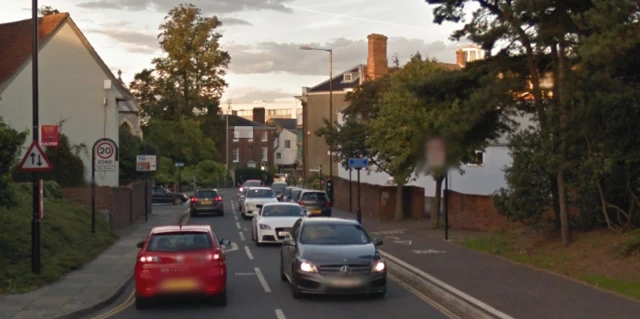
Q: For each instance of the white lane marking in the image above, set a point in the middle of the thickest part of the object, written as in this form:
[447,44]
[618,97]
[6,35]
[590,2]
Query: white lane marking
[236,217]
[246,249]
[238,225]
[241,236]
[280,314]
[451,289]
[263,281]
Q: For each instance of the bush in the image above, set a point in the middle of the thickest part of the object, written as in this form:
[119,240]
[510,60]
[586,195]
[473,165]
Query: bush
[244,174]
[11,140]
[313,181]
[130,147]
[67,241]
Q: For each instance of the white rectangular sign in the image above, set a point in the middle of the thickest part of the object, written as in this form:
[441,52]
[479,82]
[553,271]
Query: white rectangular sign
[105,156]
[146,163]
[242,132]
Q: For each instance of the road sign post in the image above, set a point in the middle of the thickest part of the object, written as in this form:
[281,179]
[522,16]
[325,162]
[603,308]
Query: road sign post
[147,163]
[350,191]
[104,156]
[358,163]
[35,161]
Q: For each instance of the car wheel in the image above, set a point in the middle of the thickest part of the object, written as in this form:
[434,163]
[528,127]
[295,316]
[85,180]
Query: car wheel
[283,277]
[143,303]
[295,293]
[177,201]
[221,212]
[379,295]
[220,299]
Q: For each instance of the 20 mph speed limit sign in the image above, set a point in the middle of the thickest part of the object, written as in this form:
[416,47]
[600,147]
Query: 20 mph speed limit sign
[105,156]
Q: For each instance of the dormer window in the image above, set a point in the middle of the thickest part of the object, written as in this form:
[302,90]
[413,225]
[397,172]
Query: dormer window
[348,77]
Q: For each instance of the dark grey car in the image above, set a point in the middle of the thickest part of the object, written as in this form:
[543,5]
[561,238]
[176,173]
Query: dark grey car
[286,193]
[315,203]
[279,187]
[207,200]
[294,194]
[332,256]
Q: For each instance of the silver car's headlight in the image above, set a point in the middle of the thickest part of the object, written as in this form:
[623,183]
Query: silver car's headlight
[264,226]
[250,205]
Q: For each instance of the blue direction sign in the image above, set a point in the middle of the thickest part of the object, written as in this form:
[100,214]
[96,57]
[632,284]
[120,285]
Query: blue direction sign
[179,164]
[358,163]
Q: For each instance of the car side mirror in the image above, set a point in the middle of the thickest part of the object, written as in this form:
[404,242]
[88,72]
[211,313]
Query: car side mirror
[377,241]
[225,242]
[140,244]
[288,241]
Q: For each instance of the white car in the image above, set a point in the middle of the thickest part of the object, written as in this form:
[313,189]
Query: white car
[275,221]
[254,198]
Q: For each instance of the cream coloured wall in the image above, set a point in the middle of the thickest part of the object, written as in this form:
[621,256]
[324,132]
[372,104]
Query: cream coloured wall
[71,90]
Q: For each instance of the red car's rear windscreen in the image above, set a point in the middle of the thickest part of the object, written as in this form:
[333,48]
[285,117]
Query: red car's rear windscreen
[180,242]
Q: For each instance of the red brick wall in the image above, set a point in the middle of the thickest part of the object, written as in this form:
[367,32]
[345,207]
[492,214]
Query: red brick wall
[125,204]
[376,201]
[476,212]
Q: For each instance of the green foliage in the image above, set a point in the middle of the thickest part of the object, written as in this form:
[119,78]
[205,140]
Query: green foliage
[166,172]
[66,159]
[11,141]
[181,141]
[272,170]
[210,174]
[67,240]
[244,174]
[313,181]
[130,147]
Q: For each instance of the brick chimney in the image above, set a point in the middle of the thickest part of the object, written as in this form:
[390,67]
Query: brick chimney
[461,58]
[259,115]
[377,63]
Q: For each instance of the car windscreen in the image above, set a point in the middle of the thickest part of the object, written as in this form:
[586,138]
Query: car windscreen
[260,193]
[333,234]
[316,196]
[252,183]
[287,191]
[206,194]
[179,242]
[279,186]
[295,193]
[282,211]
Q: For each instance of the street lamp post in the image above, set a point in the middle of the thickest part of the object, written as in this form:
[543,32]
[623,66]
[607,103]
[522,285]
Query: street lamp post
[308,48]
[226,151]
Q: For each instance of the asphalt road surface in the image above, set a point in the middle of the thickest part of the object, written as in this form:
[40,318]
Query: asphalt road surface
[255,290]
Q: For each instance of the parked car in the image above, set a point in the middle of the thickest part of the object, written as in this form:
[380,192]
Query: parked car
[255,197]
[207,200]
[180,260]
[163,195]
[332,256]
[314,203]
[279,187]
[274,222]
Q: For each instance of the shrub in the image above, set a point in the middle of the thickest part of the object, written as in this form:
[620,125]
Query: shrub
[11,140]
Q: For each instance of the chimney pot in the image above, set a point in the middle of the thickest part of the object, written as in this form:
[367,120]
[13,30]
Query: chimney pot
[461,58]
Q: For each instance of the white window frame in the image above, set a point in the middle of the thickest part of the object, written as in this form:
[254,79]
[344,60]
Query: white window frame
[347,77]
[287,143]
[264,154]
[265,137]
[236,155]
[477,164]
[235,135]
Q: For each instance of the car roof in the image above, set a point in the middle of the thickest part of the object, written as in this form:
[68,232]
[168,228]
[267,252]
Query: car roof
[207,190]
[313,191]
[280,204]
[183,228]
[330,220]
[259,187]
[279,183]
[253,180]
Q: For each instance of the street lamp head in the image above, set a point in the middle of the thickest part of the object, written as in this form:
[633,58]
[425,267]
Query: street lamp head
[306,47]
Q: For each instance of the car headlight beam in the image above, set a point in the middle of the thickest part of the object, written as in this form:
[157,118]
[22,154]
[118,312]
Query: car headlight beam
[379,266]
[308,267]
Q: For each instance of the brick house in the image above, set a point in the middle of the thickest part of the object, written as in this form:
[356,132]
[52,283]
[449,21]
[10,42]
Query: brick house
[250,142]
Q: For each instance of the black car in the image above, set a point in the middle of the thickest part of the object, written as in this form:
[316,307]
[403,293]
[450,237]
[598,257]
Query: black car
[315,203]
[332,256]
[279,188]
[206,200]
[162,195]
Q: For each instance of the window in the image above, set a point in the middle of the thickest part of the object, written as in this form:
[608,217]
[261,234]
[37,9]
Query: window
[282,211]
[265,136]
[287,143]
[333,234]
[236,155]
[348,77]
[478,160]
[261,193]
[314,197]
[278,155]
[264,154]
[236,135]
[206,194]
[183,241]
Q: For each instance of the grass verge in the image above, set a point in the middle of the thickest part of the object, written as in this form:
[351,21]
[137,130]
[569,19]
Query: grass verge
[599,258]
[66,238]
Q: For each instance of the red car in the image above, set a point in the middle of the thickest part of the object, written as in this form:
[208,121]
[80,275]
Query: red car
[181,260]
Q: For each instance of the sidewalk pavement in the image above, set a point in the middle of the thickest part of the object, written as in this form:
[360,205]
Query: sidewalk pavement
[92,287]
[516,290]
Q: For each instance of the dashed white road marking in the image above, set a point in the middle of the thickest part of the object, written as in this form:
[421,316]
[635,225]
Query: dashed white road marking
[241,236]
[263,281]
[238,225]
[249,254]
[280,314]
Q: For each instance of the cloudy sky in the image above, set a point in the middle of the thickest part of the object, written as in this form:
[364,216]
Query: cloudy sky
[262,36]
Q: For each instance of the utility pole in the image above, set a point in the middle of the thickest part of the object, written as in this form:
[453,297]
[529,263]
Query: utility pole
[227,138]
[35,221]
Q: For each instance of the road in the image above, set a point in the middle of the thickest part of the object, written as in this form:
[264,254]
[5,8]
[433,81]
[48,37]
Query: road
[255,289]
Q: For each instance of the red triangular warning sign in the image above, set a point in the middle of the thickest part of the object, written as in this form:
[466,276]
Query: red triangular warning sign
[35,160]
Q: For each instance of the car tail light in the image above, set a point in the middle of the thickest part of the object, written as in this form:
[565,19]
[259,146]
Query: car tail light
[218,199]
[301,203]
[149,259]
[327,204]
[194,200]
